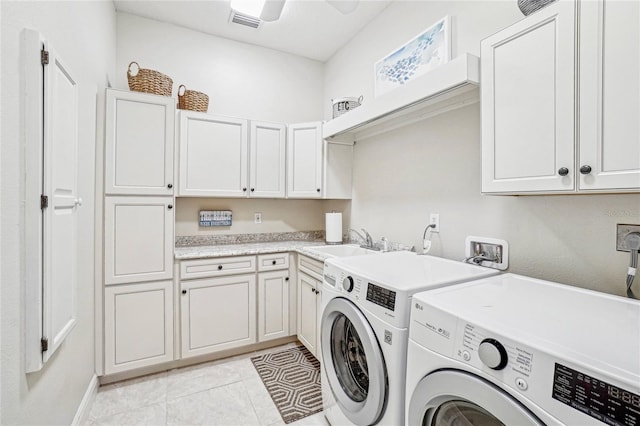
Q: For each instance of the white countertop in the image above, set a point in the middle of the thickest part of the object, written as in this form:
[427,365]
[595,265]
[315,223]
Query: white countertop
[221,250]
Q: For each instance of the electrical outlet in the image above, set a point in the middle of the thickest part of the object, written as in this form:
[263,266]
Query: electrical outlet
[434,219]
[621,232]
[257,217]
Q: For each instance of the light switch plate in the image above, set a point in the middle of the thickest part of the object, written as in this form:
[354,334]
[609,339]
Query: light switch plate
[621,231]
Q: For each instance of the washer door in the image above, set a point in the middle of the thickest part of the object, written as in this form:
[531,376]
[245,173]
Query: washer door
[451,397]
[354,363]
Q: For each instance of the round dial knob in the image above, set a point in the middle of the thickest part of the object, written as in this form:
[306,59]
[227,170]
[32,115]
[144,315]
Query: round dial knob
[493,354]
[347,284]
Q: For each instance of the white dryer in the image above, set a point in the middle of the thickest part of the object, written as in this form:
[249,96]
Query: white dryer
[513,350]
[364,330]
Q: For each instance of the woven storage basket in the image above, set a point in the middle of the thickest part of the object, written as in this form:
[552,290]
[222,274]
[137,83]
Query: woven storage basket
[192,100]
[527,7]
[343,105]
[149,81]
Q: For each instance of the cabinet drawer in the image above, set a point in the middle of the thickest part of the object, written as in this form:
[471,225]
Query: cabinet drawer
[271,262]
[217,267]
[310,266]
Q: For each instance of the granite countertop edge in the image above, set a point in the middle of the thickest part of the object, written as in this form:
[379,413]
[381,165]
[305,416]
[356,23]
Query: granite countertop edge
[222,250]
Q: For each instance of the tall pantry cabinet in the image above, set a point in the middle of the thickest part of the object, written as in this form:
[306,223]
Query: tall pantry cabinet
[138,230]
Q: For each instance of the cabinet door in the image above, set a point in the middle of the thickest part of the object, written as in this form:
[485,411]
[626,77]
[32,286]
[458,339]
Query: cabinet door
[139,143]
[528,97]
[267,157]
[213,155]
[138,239]
[138,325]
[273,305]
[304,160]
[218,314]
[337,170]
[307,312]
[609,95]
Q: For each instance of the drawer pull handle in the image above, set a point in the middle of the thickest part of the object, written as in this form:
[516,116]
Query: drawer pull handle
[273,262]
[219,267]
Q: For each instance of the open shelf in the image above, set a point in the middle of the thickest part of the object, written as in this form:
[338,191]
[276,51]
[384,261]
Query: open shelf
[442,89]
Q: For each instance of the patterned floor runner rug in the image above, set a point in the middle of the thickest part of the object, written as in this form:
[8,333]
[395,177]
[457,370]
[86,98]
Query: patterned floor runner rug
[292,378]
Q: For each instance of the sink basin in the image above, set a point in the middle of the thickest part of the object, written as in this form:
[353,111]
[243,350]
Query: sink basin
[343,250]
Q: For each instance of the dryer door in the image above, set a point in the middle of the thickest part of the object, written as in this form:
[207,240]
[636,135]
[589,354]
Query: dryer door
[452,397]
[354,363]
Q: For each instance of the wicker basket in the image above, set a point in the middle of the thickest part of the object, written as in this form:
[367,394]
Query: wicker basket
[192,100]
[343,105]
[149,81]
[527,7]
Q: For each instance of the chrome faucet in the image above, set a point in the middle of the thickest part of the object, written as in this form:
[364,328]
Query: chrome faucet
[367,241]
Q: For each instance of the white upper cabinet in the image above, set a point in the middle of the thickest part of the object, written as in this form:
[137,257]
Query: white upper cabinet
[304,160]
[609,132]
[267,160]
[213,155]
[139,144]
[528,97]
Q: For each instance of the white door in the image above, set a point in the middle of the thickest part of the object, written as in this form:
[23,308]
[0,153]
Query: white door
[307,313]
[609,155]
[213,155]
[273,305]
[267,155]
[217,314]
[138,239]
[138,325]
[60,232]
[139,143]
[527,100]
[304,160]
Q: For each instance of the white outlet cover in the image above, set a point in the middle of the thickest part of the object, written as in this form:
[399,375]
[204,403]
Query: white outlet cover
[505,251]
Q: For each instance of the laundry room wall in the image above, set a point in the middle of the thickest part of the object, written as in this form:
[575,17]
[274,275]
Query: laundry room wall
[433,166]
[87,45]
[242,80]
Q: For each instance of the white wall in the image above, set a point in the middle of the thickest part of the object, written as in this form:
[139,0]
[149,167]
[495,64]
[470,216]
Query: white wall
[242,80]
[277,215]
[87,45]
[434,166]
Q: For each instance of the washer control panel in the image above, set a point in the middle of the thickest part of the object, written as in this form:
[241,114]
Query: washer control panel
[603,401]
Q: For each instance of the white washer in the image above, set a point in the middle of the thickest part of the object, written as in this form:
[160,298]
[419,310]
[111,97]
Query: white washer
[519,351]
[364,330]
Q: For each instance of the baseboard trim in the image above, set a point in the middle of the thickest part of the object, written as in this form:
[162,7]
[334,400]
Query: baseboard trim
[85,404]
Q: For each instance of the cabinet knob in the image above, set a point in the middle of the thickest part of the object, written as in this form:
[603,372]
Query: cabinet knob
[563,171]
[273,262]
[286,279]
[313,289]
[244,189]
[169,185]
[318,189]
[219,267]
[170,206]
[585,170]
[184,291]
[253,189]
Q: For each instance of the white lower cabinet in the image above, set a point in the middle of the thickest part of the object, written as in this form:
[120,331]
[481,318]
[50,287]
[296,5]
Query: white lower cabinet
[217,314]
[309,303]
[138,322]
[273,305]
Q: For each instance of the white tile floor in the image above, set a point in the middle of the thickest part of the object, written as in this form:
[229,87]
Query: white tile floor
[228,392]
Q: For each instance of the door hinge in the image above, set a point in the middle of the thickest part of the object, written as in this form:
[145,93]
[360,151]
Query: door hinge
[44,201]
[44,57]
[44,344]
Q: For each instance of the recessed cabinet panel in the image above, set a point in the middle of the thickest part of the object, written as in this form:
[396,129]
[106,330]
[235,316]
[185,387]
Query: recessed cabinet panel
[218,314]
[138,325]
[213,155]
[267,157]
[528,111]
[304,160]
[273,305]
[139,144]
[138,239]
[610,94]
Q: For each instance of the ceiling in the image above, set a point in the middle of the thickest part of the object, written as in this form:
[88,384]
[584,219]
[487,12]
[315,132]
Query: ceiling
[308,28]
